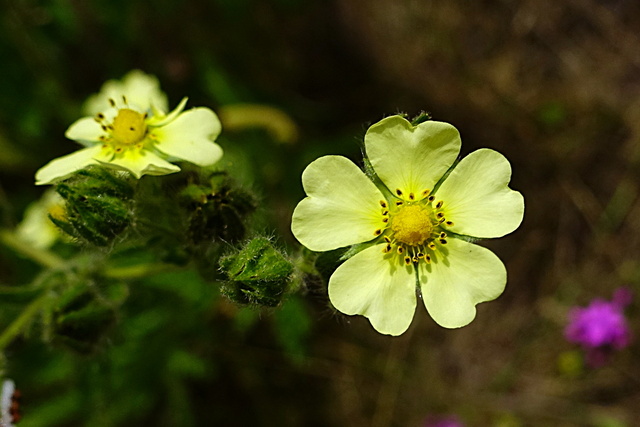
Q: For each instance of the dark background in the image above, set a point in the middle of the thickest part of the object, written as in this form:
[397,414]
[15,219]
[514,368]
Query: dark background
[553,85]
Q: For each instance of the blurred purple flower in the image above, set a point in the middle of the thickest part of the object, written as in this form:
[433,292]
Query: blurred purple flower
[600,327]
[448,421]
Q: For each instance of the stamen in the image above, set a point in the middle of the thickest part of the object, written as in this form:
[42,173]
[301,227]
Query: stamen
[387,239]
[385,212]
[407,260]
[420,255]
[449,223]
[100,116]
[432,246]
[443,235]
[432,198]
[427,258]
[399,192]
[415,259]
[385,219]
[400,250]
[441,220]
[425,193]
[440,215]
[383,203]
[443,241]
[439,204]
[124,99]
[399,203]
[386,249]
[112,102]
[118,149]
[412,196]
[377,232]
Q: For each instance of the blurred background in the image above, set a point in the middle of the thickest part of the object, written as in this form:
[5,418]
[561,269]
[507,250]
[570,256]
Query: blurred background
[553,85]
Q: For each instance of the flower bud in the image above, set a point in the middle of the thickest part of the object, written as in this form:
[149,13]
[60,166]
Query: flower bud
[257,274]
[218,209]
[98,206]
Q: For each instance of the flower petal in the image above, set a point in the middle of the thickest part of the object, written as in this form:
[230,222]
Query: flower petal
[139,162]
[453,284]
[65,166]
[139,88]
[411,158]
[372,285]
[342,208]
[36,228]
[86,131]
[477,199]
[190,137]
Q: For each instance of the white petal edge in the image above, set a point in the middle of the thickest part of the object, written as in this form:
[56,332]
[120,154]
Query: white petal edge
[190,137]
[477,198]
[86,131]
[342,208]
[452,285]
[138,163]
[377,286]
[139,88]
[411,158]
[65,166]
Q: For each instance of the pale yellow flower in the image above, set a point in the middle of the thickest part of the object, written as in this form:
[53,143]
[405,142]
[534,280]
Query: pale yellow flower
[416,224]
[36,228]
[135,134]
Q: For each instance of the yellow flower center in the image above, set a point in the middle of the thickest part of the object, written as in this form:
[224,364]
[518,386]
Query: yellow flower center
[129,127]
[412,224]
[415,229]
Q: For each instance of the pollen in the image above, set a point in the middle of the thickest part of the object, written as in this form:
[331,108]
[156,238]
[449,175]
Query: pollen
[129,127]
[412,225]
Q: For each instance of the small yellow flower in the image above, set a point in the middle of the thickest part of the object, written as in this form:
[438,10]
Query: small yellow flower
[416,224]
[36,228]
[132,132]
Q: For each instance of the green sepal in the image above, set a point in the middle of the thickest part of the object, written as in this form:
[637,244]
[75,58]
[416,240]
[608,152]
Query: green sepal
[258,274]
[98,206]
[424,116]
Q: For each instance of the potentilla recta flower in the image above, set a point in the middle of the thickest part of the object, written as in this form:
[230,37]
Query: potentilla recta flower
[137,135]
[600,328]
[36,228]
[416,224]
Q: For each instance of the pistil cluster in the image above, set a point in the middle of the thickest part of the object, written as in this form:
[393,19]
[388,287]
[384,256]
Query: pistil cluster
[414,226]
[128,129]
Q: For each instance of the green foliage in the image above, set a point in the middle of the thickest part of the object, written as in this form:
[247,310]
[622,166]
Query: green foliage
[83,315]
